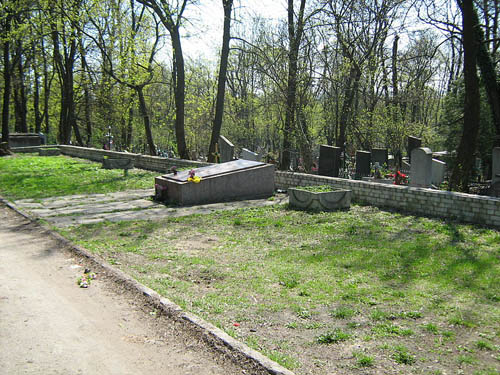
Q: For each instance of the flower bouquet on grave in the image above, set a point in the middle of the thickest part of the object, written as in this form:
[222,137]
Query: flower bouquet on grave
[193,178]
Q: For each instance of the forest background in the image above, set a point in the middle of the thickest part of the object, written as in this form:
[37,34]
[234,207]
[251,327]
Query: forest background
[277,77]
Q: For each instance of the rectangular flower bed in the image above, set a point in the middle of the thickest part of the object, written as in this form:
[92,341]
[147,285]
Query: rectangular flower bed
[309,199]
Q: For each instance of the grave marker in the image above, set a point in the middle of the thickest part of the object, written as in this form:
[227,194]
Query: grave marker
[413,143]
[246,154]
[226,150]
[495,164]
[438,171]
[363,164]
[329,161]
[421,167]
[380,156]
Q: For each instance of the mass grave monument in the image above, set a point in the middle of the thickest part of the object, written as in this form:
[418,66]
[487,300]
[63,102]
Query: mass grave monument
[234,180]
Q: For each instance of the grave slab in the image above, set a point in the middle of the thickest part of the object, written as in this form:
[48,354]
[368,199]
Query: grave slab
[421,167]
[246,154]
[226,149]
[413,143]
[329,161]
[495,159]
[363,164]
[234,180]
[438,171]
[380,156]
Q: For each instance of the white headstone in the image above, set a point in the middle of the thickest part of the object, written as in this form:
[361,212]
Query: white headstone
[246,154]
[495,159]
[438,171]
[421,167]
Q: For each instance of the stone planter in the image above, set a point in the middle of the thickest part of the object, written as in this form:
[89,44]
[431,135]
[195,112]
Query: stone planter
[110,163]
[49,152]
[321,201]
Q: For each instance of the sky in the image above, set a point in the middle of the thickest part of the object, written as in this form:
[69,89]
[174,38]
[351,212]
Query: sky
[203,38]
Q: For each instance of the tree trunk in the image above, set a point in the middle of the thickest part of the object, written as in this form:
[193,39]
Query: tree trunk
[466,150]
[221,85]
[294,37]
[179,92]
[6,80]
[145,117]
[347,107]
[489,77]
[20,100]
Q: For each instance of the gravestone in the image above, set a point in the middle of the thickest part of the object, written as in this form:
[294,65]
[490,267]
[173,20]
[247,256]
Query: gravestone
[246,154]
[380,156]
[421,167]
[495,163]
[329,161]
[237,179]
[438,171]
[226,150]
[363,164]
[413,143]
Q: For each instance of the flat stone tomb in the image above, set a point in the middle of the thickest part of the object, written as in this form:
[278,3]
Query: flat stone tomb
[235,180]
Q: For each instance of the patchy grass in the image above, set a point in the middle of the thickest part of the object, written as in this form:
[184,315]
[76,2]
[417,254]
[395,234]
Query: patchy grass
[26,176]
[411,291]
[419,295]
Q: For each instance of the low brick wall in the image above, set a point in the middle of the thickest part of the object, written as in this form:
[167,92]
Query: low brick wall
[464,207]
[152,163]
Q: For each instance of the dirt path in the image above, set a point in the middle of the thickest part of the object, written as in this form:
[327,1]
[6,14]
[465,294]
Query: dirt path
[48,325]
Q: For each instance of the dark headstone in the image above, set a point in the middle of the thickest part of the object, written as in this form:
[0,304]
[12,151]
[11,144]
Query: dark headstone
[413,143]
[363,163]
[329,161]
[495,165]
[380,156]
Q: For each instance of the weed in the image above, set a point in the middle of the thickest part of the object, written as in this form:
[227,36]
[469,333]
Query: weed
[333,337]
[484,345]
[466,359]
[343,312]
[363,360]
[402,356]
[430,327]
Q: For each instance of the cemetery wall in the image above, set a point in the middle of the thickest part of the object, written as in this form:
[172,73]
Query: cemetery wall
[464,207]
[152,163]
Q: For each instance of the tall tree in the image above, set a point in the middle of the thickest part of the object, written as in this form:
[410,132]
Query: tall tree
[295,33]
[221,86]
[6,23]
[171,17]
[462,169]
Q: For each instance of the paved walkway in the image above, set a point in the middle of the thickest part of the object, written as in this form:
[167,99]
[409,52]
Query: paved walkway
[128,205]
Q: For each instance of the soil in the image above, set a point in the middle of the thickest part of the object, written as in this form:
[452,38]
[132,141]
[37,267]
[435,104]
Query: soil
[50,325]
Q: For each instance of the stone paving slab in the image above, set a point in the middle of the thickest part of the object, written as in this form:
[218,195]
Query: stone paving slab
[124,206]
[57,202]
[96,208]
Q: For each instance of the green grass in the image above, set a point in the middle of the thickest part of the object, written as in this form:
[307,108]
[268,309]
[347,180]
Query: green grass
[364,278]
[27,176]
[367,270]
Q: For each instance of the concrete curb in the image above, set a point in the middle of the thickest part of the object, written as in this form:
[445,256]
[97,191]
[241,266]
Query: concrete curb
[211,334]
